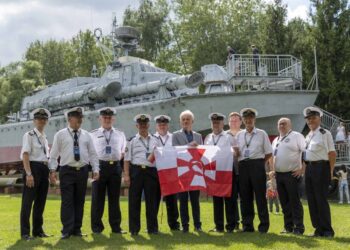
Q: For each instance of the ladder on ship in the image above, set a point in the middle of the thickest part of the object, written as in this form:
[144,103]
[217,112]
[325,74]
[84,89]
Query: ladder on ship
[331,122]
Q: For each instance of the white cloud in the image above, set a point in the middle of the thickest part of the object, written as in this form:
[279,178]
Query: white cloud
[22,22]
[300,11]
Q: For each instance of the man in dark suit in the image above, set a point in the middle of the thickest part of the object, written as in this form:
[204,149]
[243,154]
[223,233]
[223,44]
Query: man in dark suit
[186,136]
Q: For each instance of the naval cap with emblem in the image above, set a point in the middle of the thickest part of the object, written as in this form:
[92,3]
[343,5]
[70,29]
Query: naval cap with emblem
[216,116]
[40,113]
[107,111]
[312,111]
[162,119]
[248,112]
[142,118]
[76,112]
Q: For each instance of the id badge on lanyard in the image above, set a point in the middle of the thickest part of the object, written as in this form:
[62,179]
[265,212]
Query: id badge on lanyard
[108,149]
[76,150]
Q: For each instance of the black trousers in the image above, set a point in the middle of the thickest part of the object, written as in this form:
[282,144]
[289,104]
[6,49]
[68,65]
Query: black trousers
[252,182]
[288,192]
[36,195]
[143,179]
[172,211]
[227,203]
[194,198]
[110,181]
[235,200]
[73,184]
[317,180]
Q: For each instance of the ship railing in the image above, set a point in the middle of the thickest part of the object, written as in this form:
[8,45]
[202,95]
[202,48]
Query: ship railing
[343,153]
[250,65]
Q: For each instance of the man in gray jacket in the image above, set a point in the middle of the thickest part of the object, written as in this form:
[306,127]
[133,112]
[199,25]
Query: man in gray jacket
[186,136]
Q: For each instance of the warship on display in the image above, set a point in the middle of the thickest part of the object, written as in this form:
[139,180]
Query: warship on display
[270,83]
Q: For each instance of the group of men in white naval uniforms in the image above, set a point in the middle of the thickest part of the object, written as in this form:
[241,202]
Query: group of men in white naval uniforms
[106,152]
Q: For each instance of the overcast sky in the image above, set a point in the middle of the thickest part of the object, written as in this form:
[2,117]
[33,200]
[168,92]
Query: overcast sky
[24,21]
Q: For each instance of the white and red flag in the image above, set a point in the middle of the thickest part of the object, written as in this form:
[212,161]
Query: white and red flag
[185,168]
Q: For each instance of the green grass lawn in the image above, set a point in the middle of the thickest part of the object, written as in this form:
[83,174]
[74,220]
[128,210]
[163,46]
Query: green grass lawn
[10,238]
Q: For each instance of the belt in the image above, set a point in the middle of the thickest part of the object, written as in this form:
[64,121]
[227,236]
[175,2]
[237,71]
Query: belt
[315,162]
[141,166]
[111,163]
[40,162]
[248,159]
[75,168]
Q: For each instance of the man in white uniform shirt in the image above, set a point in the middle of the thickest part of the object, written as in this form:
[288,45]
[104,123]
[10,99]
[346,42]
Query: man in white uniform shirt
[35,155]
[165,140]
[141,175]
[319,158]
[75,148]
[110,146]
[287,166]
[254,149]
[220,138]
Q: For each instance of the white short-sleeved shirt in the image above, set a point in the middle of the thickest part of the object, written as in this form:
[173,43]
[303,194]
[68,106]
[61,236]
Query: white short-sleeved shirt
[36,145]
[221,140]
[113,138]
[138,149]
[254,145]
[318,145]
[62,147]
[287,151]
[164,141]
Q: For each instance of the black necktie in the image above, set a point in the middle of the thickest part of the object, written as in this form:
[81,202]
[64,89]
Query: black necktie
[76,146]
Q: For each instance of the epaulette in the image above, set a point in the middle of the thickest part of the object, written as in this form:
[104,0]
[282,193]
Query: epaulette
[155,136]
[31,133]
[322,131]
[132,137]
[93,131]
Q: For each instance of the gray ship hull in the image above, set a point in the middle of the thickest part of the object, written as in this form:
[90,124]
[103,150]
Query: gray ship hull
[271,105]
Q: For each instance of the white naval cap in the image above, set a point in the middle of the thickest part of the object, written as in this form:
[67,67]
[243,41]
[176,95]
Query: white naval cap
[76,111]
[162,119]
[311,111]
[142,118]
[248,111]
[107,111]
[216,116]
[40,113]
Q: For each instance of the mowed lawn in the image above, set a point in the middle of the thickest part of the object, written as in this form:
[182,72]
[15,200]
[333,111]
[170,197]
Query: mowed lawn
[10,236]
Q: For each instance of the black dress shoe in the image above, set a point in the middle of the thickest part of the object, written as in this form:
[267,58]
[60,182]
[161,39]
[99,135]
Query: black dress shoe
[65,236]
[119,231]
[185,230]
[215,230]
[175,229]
[42,235]
[79,234]
[198,229]
[237,227]
[286,231]
[248,230]
[153,232]
[26,237]
[230,230]
[297,232]
[134,233]
[328,234]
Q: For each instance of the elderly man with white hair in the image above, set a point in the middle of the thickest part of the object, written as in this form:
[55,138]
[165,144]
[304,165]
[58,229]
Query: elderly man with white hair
[287,166]
[186,136]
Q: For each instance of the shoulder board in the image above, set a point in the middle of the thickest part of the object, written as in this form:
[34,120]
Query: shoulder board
[31,133]
[93,131]
[155,136]
[323,131]
[132,137]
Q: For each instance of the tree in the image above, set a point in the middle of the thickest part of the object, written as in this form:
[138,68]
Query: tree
[274,29]
[151,21]
[331,36]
